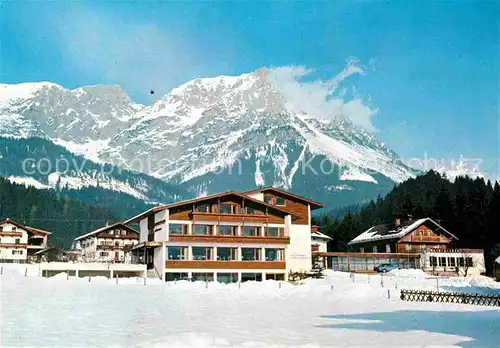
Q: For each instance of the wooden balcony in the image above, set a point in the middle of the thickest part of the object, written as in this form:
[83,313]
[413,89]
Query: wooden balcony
[119,236]
[11,234]
[187,238]
[109,247]
[204,264]
[13,245]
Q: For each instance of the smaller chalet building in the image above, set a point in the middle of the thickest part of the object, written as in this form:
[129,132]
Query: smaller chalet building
[106,244]
[421,243]
[18,242]
[408,236]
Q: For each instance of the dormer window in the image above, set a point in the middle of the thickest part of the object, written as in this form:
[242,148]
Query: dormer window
[203,208]
[227,208]
[280,201]
[268,199]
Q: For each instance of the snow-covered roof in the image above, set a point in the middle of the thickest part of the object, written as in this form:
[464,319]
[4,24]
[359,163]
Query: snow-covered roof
[105,228]
[320,235]
[497,260]
[387,231]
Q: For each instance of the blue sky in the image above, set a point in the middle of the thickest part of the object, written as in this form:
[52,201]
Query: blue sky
[431,69]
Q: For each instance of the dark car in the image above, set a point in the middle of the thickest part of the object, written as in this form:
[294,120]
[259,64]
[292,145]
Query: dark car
[385,267]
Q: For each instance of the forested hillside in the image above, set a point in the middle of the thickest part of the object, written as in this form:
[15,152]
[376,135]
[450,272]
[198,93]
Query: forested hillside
[64,216]
[469,208]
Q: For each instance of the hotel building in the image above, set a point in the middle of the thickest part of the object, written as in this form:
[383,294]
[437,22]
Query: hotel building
[228,237]
[106,244]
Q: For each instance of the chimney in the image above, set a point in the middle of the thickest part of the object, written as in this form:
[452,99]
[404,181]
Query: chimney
[397,222]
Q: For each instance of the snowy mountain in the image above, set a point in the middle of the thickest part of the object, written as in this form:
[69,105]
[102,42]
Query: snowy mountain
[210,134]
[41,164]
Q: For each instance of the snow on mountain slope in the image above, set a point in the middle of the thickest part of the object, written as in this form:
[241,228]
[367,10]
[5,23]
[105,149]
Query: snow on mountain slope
[207,134]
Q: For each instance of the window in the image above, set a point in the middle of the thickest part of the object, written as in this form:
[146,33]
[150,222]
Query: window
[387,248]
[103,253]
[280,201]
[227,254]
[177,253]
[361,250]
[374,248]
[203,277]
[433,261]
[250,254]
[203,208]
[227,278]
[442,262]
[14,228]
[408,246]
[226,208]
[1,228]
[17,252]
[461,261]
[170,277]
[18,241]
[274,231]
[225,230]
[468,262]
[252,211]
[251,231]
[268,199]
[202,229]
[279,276]
[451,262]
[275,254]
[245,277]
[202,253]
[177,229]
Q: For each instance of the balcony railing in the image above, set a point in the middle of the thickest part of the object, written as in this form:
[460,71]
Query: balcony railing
[229,239]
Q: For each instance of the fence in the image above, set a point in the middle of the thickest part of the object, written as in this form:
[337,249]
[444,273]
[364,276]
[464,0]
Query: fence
[450,297]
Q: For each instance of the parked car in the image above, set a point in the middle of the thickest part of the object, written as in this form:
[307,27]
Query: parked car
[385,267]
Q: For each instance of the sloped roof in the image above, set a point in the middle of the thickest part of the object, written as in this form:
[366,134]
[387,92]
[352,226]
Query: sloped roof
[106,228]
[320,235]
[205,198]
[497,260]
[314,204]
[387,231]
[32,230]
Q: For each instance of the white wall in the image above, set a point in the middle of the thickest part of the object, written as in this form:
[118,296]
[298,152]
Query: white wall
[143,226]
[7,252]
[258,196]
[298,253]
[322,244]
[477,259]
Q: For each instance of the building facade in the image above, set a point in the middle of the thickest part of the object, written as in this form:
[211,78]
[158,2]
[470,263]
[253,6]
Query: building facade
[407,236]
[228,237]
[106,244]
[421,243]
[18,242]
[461,262]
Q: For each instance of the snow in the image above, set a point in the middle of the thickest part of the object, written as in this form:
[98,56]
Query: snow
[11,93]
[371,234]
[90,149]
[27,181]
[335,311]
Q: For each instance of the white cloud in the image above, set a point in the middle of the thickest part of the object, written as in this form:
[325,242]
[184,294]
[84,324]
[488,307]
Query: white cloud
[324,99]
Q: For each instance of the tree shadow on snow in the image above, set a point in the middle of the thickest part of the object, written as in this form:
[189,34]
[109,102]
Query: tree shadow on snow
[482,326]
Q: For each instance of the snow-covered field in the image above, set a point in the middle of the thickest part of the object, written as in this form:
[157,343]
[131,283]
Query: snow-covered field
[335,311]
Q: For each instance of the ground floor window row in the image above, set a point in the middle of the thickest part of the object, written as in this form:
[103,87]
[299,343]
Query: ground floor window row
[443,261]
[347,263]
[226,278]
[225,253]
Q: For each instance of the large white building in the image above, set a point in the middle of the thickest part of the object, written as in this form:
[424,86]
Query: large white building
[228,237]
[19,242]
[106,244]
